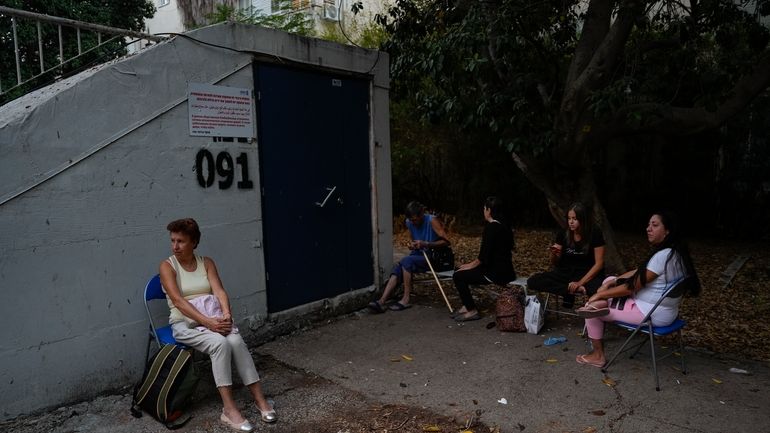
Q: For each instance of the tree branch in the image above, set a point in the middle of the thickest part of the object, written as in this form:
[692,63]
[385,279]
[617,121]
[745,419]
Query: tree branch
[604,59]
[665,119]
[538,176]
[595,28]
[488,7]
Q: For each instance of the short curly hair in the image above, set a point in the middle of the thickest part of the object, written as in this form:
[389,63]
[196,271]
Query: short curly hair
[187,226]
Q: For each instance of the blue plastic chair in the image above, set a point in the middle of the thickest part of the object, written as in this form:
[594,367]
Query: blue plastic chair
[674,290]
[163,335]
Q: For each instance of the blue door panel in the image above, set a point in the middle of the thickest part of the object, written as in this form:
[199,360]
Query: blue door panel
[313,132]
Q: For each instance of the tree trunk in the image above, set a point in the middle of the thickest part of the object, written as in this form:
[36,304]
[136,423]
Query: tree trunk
[561,195]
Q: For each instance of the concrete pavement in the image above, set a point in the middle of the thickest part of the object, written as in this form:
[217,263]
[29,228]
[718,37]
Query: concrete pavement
[460,369]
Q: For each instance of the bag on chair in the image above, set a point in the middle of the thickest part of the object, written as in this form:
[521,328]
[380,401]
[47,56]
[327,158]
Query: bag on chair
[534,314]
[442,259]
[167,386]
[509,311]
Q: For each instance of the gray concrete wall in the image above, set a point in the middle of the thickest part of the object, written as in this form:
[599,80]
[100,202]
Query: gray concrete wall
[91,171]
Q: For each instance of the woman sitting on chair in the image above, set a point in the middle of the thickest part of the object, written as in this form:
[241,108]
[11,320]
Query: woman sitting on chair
[493,265]
[186,276]
[578,259]
[669,262]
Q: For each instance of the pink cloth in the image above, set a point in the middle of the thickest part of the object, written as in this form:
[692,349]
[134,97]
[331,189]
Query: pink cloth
[629,314]
[209,306]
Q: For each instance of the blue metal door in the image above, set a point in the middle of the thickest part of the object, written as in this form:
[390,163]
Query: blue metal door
[313,131]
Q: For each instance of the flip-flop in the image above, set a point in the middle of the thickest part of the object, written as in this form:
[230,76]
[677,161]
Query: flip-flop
[589,311]
[462,318]
[376,307]
[456,313]
[399,306]
[581,359]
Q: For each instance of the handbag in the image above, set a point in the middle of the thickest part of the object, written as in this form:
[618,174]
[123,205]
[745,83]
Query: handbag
[534,314]
[442,259]
[509,311]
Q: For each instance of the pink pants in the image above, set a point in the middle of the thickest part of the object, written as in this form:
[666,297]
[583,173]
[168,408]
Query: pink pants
[629,314]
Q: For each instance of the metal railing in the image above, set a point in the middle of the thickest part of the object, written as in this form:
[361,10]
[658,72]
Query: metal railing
[39,19]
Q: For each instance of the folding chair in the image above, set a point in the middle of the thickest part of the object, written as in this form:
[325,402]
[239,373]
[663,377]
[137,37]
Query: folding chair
[162,335]
[674,290]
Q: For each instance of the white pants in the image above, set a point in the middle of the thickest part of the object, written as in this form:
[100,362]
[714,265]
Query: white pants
[222,350]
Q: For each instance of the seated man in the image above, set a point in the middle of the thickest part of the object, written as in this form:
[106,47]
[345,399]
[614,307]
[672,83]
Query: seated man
[427,231]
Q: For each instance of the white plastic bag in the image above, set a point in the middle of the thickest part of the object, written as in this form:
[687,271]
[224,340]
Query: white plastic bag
[534,313]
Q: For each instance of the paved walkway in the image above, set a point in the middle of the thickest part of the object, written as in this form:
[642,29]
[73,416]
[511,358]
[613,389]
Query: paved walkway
[420,357]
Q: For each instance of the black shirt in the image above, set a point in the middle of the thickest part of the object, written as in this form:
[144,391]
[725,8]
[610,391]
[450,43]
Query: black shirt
[495,253]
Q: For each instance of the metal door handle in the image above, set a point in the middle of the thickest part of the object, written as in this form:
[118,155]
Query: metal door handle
[331,191]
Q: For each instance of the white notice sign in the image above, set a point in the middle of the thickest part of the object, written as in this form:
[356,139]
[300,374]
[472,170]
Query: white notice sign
[220,111]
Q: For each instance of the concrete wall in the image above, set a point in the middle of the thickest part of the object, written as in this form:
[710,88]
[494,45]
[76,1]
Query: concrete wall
[91,171]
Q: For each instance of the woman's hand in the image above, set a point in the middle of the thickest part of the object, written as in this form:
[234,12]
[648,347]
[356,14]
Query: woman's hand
[555,250]
[575,287]
[220,325]
[465,267]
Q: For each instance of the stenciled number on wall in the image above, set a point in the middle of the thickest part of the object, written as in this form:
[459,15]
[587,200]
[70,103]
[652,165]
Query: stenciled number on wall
[207,167]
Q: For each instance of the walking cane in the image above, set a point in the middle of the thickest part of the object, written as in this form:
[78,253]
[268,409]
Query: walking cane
[441,289]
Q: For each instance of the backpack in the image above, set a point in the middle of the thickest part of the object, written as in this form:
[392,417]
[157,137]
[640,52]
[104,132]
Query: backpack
[441,258]
[167,385]
[509,311]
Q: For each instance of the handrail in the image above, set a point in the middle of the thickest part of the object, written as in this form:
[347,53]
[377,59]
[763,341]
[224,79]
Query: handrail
[78,25]
[82,24]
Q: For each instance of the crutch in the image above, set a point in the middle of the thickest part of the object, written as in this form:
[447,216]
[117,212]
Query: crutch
[441,289]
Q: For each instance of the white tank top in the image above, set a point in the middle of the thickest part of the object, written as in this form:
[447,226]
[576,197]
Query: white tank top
[191,285]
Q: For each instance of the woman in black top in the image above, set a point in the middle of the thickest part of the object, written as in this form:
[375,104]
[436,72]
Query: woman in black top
[578,259]
[494,264]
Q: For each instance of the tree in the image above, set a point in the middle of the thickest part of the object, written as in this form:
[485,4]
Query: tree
[558,81]
[124,14]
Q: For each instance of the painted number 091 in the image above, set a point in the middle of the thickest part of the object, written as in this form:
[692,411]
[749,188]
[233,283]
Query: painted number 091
[206,166]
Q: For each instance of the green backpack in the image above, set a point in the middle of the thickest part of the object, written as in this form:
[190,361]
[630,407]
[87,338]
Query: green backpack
[167,386]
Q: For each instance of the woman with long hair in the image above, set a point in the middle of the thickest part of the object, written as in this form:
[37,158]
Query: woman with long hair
[577,256]
[668,263]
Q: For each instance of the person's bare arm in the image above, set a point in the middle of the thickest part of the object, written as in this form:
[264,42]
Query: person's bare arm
[614,290]
[598,265]
[168,280]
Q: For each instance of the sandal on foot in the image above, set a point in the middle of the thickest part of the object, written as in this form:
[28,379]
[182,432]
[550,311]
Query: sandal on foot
[463,318]
[581,359]
[456,313]
[589,311]
[244,426]
[398,306]
[376,307]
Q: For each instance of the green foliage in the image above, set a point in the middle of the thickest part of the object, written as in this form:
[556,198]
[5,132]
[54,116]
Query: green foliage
[127,14]
[503,74]
[331,32]
[440,56]
[287,19]
[453,172]
[507,74]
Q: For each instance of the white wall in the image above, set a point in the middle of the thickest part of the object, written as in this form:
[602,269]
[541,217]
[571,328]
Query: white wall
[167,19]
[91,171]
